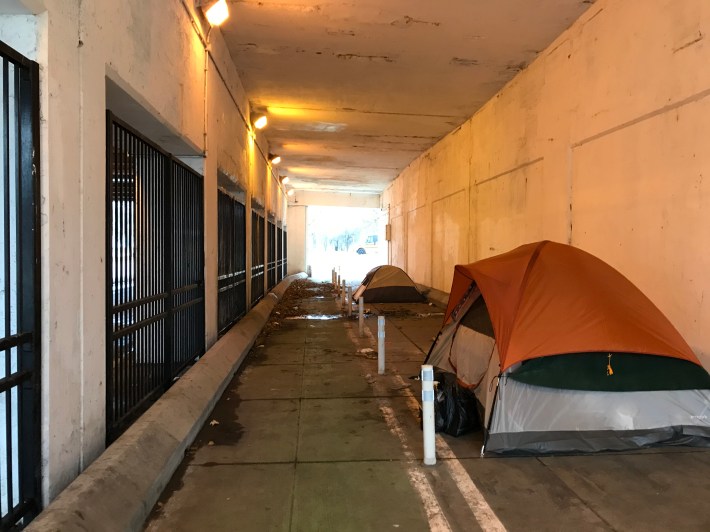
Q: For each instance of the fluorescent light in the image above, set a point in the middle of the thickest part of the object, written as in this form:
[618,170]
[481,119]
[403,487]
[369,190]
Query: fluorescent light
[217,13]
[259,121]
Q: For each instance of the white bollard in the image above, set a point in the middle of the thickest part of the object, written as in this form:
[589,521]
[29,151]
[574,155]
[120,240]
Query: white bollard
[381,345]
[349,304]
[361,315]
[428,428]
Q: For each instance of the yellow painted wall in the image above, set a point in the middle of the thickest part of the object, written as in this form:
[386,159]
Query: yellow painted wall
[600,143]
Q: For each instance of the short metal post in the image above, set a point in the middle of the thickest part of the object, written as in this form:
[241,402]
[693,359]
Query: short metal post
[428,428]
[381,345]
[337,286]
[349,303]
[342,294]
[361,315]
[332,276]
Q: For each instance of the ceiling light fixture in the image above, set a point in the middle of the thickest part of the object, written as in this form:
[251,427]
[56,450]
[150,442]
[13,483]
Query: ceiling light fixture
[291,192]
[274,159]
[285,179]
[216,12]
[258,120]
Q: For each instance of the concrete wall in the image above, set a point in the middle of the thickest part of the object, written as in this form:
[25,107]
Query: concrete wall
[600,143]
[152,54]
[334,199]
[297,239]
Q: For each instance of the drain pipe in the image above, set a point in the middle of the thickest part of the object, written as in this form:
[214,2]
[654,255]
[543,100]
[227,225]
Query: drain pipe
[381,345]
[361,315]
[428,429]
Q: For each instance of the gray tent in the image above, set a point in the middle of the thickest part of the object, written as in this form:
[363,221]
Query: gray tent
[388,284]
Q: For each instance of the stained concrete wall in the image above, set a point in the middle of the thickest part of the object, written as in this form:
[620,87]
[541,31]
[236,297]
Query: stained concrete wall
[154,54]
[600,143]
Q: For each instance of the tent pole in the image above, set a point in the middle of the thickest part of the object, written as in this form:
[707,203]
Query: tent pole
[487,427]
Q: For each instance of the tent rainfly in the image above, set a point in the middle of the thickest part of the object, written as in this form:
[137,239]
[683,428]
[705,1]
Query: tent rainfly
[388,284]
[565,354]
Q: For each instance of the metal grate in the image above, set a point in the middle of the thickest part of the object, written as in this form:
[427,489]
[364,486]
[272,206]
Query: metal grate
[20,290]
[271,266]
[232,273]
[257,257]
[155,264]
[284,271]
[279,254]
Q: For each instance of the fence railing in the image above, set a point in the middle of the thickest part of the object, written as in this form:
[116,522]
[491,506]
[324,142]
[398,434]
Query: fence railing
[279,254]
[20,301]
[232,274]
[284,270]
[155,268]
[257,257]
[272,259]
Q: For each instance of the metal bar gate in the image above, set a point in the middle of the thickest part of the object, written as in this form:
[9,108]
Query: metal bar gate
[20,285]
[284,270]
[232,267]
[279,254]
[271,265]
[257,257]
[155,273]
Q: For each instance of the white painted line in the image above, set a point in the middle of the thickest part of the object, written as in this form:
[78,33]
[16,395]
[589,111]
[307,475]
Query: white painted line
[417,478]
[434,513]
[477,503]
[475,500]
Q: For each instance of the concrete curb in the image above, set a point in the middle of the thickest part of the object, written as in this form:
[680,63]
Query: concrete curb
[119,489]
[439,298]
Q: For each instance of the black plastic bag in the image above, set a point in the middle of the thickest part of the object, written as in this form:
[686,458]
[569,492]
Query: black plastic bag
[455,410]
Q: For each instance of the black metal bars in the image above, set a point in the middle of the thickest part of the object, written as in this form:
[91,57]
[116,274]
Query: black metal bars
[284,270]
[257,257]
[232,266]
[20,301]
[279,254]
[155,273]
[272,259]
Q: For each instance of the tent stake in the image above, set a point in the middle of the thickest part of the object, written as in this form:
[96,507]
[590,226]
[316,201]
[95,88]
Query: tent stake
[428,429]
[381,345]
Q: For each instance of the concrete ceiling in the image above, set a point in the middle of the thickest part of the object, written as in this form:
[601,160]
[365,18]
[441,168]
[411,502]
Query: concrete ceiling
[357,89]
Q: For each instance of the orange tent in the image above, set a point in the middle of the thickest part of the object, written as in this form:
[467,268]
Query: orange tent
[586,304]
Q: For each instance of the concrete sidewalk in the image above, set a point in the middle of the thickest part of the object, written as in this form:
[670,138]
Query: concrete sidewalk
[309,437]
